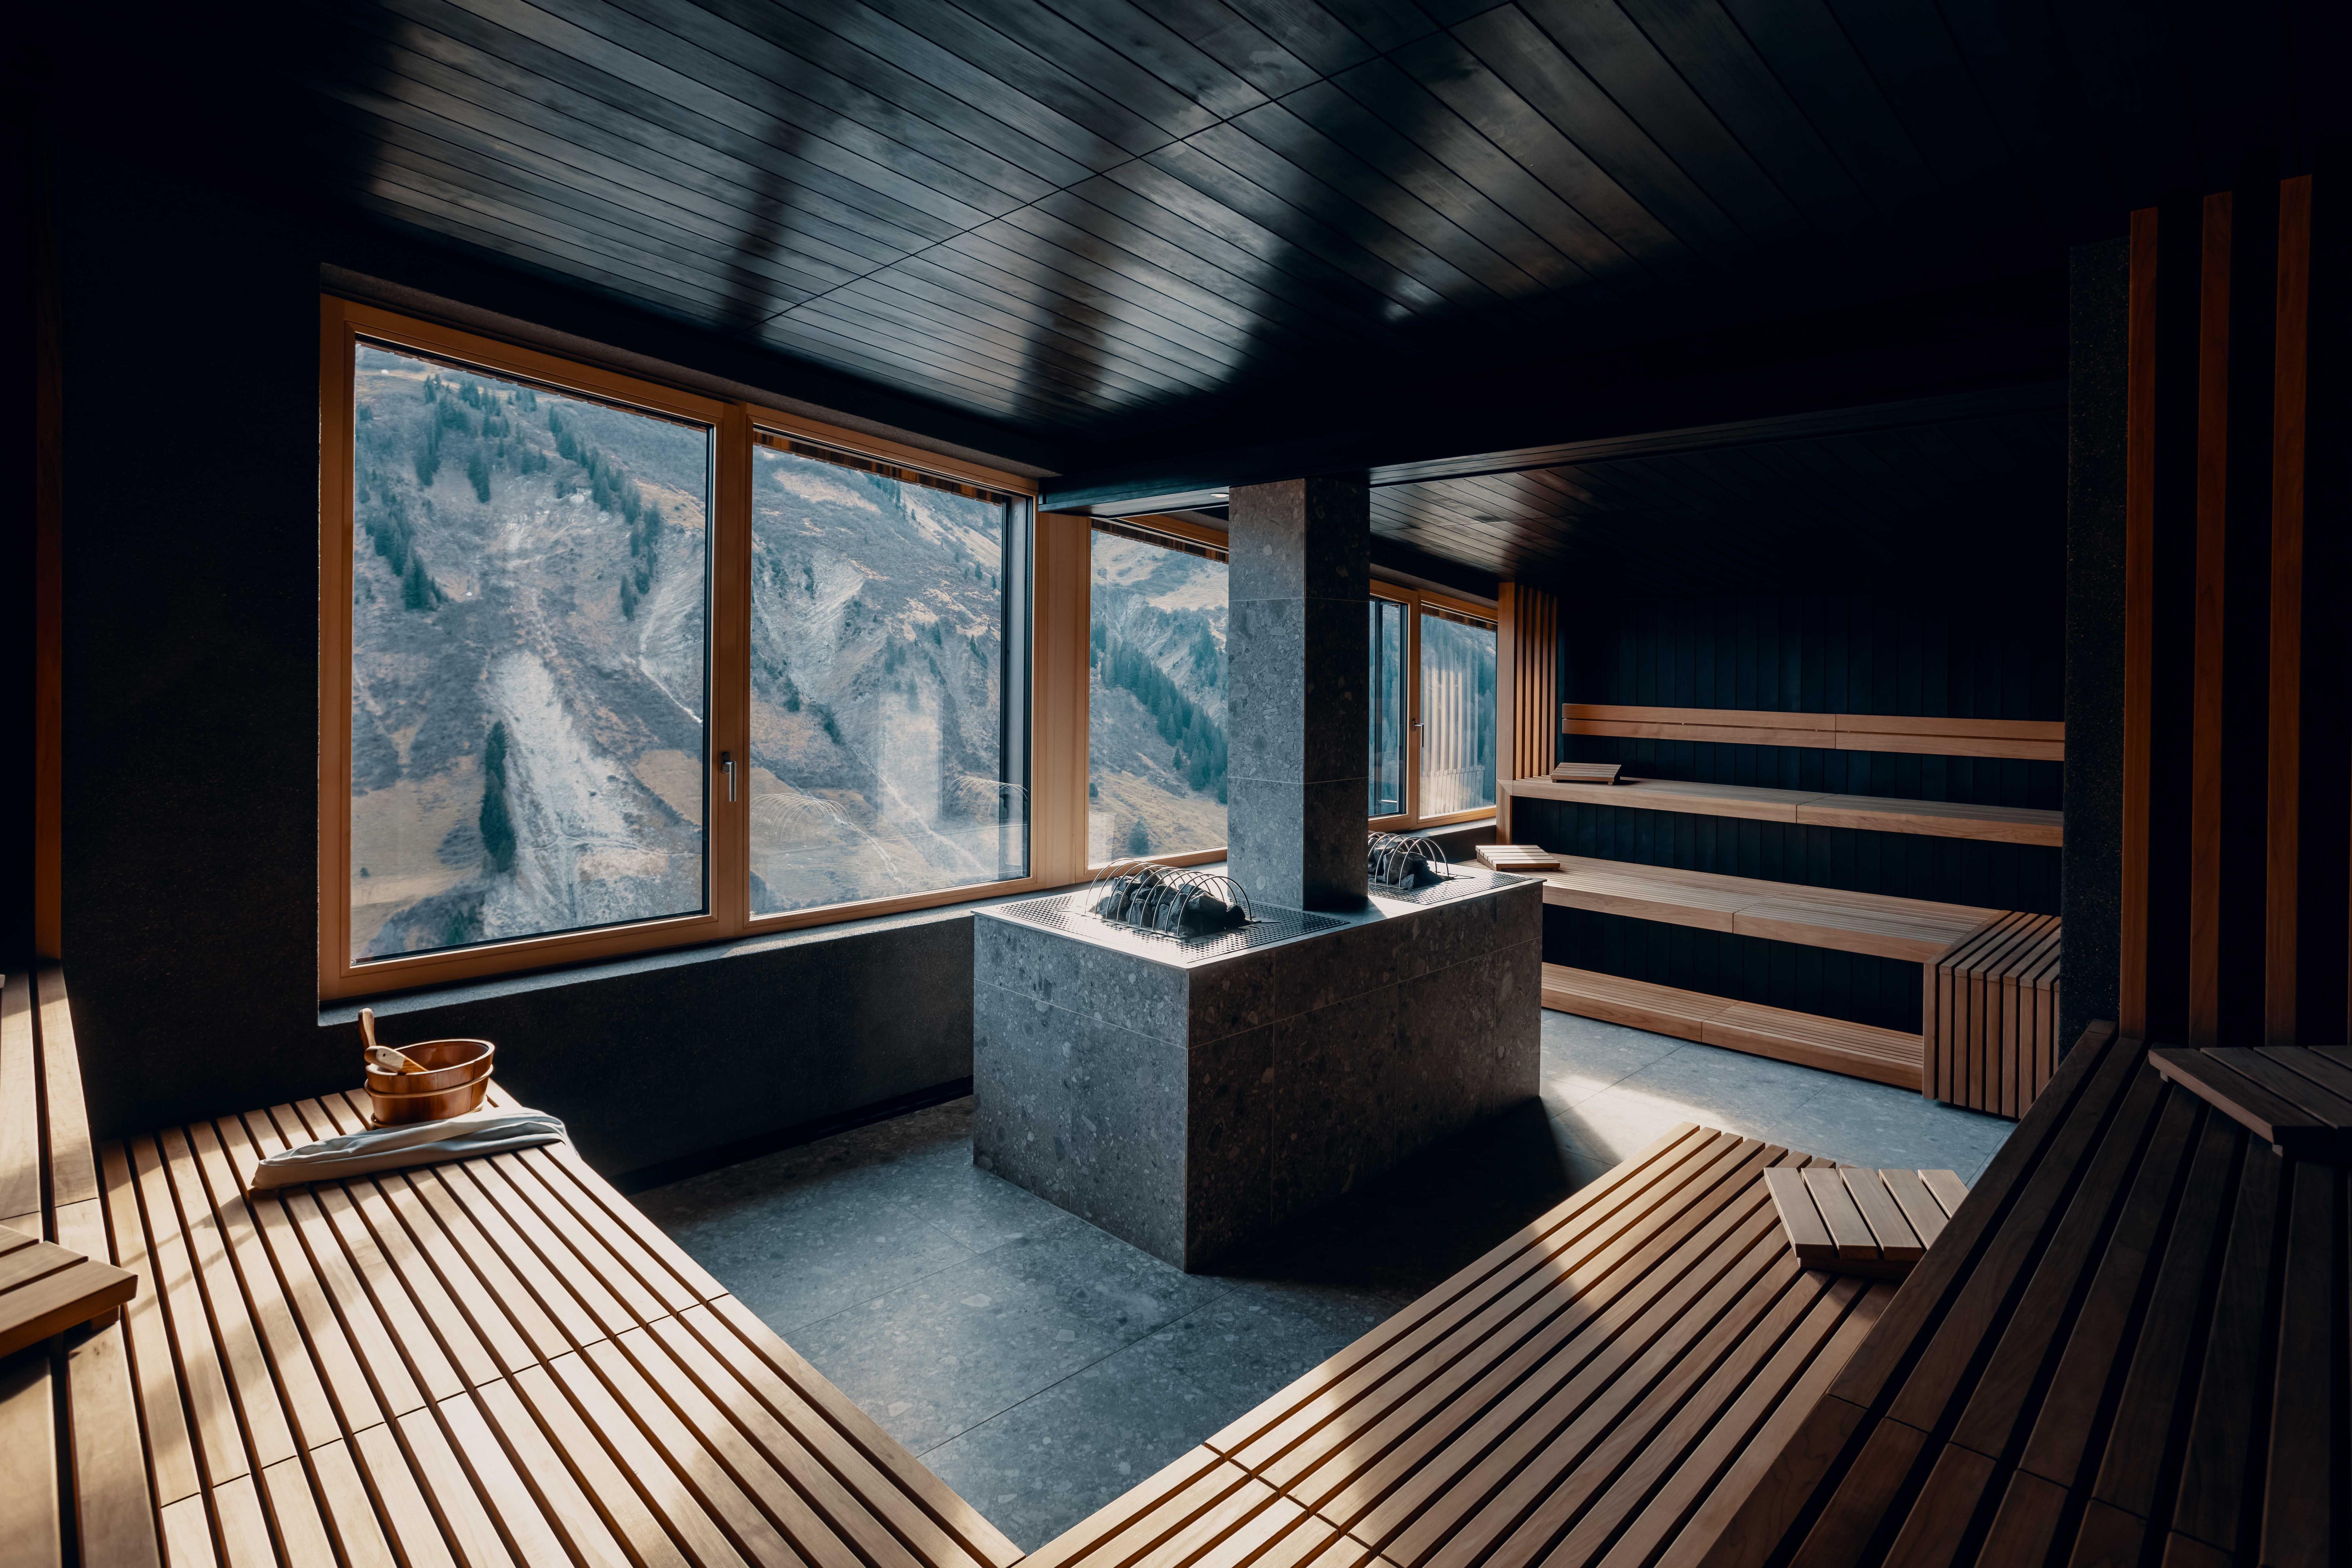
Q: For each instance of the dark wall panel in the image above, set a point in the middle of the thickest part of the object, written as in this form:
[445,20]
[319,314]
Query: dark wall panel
[1857,986]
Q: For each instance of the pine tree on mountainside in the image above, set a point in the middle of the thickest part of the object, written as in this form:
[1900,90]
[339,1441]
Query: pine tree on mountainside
[1139,839]
[478,469]
[497,824]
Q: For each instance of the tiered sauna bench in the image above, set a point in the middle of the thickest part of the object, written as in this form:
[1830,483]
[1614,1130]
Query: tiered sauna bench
[1989,977]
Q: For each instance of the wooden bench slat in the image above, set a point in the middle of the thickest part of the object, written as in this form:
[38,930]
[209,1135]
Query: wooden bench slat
[1896,1242]
[461,1187]
[73,1168]
[522,1306]
[416,1536]
[1593,1265]
[390,1376]
[295,1515]
[1877,814]
[2156,1389]
[20,1109]
[171,1454]
[1918,929]
[585,1531]
[2306,1457]
[593,1472]
[114,1510]
[1808,1039]
[491,1475]
[30,1523]
[1847,1230]
[2121,1196]
[349,1511]
[1484,1389]
[1807,1236]
[203,1381]
[1926,1216]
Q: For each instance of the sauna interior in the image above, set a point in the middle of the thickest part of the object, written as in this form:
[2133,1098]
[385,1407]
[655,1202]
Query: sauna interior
[1209,784]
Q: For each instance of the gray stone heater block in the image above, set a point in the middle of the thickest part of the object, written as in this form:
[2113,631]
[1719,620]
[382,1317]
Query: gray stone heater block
[1189,1103]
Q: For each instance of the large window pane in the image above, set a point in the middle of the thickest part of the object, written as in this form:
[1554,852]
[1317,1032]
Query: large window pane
[1457,715]
[883,761]
[529,595]
[1155,700]
[1388,699]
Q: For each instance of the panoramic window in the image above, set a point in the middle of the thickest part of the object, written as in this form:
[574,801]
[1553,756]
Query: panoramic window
[879,761]
[1457,715]
[528,659]
[1388,705]
[612,666]
[1156,697]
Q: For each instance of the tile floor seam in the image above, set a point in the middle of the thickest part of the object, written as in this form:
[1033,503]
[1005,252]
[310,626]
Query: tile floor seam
[1075,1372]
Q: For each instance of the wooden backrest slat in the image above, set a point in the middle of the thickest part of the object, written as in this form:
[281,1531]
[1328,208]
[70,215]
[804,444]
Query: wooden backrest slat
[2121,1195]
[2096,1068]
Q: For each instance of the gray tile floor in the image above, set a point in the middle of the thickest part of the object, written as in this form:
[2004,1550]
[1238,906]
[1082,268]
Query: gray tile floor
[1041,1366]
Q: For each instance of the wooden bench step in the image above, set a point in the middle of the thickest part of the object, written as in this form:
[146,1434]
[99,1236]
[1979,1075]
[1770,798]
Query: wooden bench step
[1918,931]
[1935,818]
[2297,1099]
[1875,1225]
[1808,1039]
[2026,738]
[1612,1381]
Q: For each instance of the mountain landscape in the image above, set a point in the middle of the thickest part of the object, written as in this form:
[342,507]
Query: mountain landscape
[1156,730]
[529,669]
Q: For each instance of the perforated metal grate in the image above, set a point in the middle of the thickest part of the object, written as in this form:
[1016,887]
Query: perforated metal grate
[1460,883]
[1067,913]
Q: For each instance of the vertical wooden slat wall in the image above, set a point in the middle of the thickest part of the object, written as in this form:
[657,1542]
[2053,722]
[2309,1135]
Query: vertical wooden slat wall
[1526,691]
[2237,777]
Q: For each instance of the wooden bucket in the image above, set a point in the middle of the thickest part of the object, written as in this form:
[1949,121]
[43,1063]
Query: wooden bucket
[455,1080]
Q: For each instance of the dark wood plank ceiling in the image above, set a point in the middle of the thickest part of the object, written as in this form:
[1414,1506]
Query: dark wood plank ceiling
[1090,219]
[1930,500]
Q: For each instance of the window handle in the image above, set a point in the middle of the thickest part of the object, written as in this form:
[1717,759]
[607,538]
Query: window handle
[726,762]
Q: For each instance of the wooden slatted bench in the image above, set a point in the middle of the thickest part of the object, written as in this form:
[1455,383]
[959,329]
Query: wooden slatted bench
[1916,930]
[2129,1346]
[1808,1039]
[2022,739]
[466,1365]
[1605,1386]
[1935,818]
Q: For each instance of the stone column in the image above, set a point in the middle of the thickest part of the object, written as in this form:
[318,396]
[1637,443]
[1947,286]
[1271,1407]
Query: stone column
[1296,662]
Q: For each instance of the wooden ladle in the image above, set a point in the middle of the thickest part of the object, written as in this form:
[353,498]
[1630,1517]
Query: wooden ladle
[384,1057]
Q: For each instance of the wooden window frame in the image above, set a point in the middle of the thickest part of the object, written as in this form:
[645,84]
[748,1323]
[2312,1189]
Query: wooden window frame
[726,917]
[1410,819]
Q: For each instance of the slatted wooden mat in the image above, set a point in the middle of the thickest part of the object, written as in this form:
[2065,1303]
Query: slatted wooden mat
[1605,1386]
[2130,1346]
[2297,1099]
[1991,1016]
[1876,1224]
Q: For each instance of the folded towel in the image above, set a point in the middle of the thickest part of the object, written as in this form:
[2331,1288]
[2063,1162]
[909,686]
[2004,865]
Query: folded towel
[419,1143]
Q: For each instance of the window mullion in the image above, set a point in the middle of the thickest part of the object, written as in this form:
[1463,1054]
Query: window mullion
[729,734]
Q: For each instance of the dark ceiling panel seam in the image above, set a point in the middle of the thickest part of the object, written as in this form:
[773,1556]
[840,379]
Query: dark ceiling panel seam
[1049,266]
[540,255]
[1035,401]
[1082,384]
[1234,309]
[977,144]
[491,109]
[882,173]
[1110,343]
[898,295]
[921,69]
[1491,106]
[1235,169]
[1350,179]
[687,131]
[1098,360]
[1535,68]
[1382,89]
[1001,186]
[599,236]
[462,146]
[1222,86]
[1622,62]
[1381,147]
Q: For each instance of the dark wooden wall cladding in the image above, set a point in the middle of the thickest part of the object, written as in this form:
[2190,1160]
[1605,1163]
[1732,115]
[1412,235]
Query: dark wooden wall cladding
[1885,654]
[2236,789]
